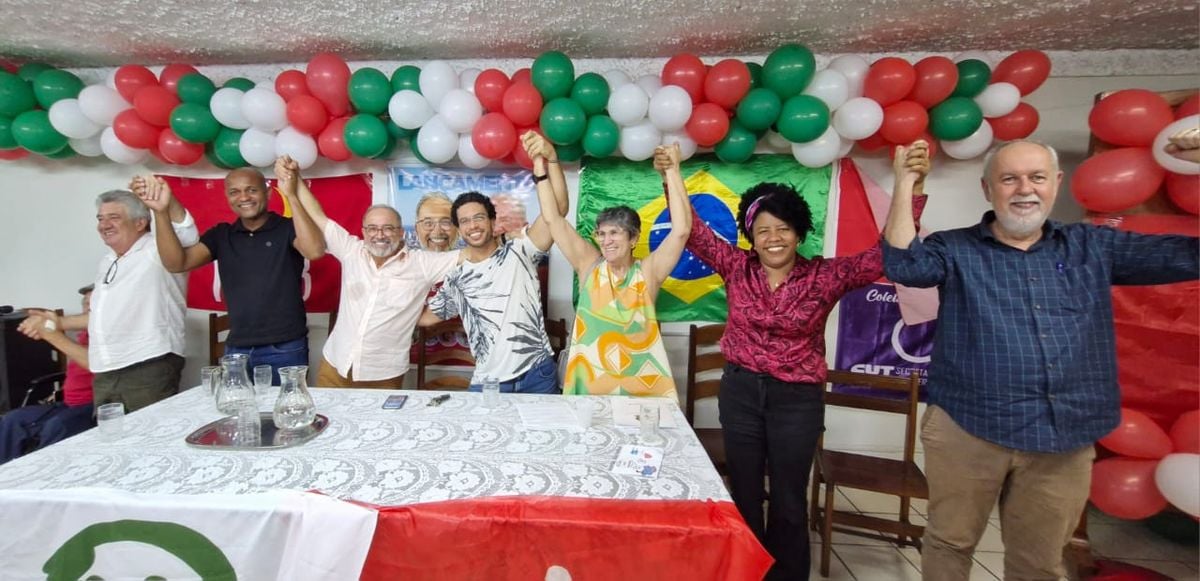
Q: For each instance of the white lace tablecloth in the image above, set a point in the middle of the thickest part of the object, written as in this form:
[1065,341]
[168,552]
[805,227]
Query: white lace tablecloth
[392,457]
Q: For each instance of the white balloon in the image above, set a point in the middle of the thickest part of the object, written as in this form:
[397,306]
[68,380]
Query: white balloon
[972,145]
[111,80]
[460,110]
[819,152]
[628,104]
[1178,479]
[1168,161]
[670,108]
[845,147]
[88,146]
[854,68]
[638,141]
[226,106]
[467,153]
[257,147]
[998,99]
[466,79]
[858,118]
[409,109]
[299,146]
[687,146]
[974,54]
[101,104]
[774,139]
[831,87]
[437,78]
[117,151]
[650,84]
[616,78]
[264,109]
[67,118]
[437,142]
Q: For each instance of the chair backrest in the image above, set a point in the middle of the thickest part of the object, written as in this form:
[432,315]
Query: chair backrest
[425,357]
[218,323]
[704,355]
[903,400]
[556,330]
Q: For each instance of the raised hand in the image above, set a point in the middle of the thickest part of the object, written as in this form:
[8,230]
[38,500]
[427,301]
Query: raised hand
[153,191]
[537,146]
[1185,145]
[287,171]
[666,157]
[911,163]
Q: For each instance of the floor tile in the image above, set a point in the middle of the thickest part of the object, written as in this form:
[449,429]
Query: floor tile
[837,568]
[990,561]
[870,563]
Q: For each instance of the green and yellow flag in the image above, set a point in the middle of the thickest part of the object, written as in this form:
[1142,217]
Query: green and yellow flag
[694,292]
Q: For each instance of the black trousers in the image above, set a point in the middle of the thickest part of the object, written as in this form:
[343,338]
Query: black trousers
[771,428]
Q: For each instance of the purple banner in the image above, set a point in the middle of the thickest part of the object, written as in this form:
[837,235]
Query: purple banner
[872,337]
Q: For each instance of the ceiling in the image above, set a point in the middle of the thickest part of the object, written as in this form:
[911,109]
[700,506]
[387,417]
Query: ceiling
[101,33]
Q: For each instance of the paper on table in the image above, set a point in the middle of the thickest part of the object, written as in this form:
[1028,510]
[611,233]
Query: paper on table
[548,415]
[625,411]
[637,460]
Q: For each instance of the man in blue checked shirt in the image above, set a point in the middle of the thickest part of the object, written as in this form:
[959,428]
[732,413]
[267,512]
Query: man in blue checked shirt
[1024,374]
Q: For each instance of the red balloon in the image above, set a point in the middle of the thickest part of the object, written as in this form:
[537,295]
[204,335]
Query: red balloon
[936,77]
[522,76]
[708,124]
[1016,125]
[178,151]
[727,83]
[1138,436]
[13,154]
[522,104]
[129,79]
[889,80]
[1117,179]
[1185,433]
[874,142]
[154,104]
[1189,107]
[159,156]
[489,89]
[332,141]
[518,153]
[687,71]
[1125,488]
[1184,192]
[307,114]
[494,136]
[170,75]
[291,84]
[1026,69]
[1131,117]
[904,122]
[133,131]
[327,76]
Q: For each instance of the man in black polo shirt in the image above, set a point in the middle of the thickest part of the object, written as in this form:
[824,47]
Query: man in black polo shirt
[260,260]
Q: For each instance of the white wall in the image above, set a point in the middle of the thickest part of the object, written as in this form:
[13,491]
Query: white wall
[50,248]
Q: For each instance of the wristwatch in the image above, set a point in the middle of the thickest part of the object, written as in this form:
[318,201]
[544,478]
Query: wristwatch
[540,178]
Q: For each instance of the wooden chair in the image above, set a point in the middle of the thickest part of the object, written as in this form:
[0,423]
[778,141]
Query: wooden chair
[901,478]
[705,358]
[425,358]
[557,330]
[218,331]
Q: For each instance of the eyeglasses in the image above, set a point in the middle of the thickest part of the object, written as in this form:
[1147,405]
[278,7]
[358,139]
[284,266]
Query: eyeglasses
[389,229]
[476,219]
[429,223]
[111,273]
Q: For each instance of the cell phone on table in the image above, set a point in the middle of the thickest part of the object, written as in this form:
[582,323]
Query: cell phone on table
[394,402]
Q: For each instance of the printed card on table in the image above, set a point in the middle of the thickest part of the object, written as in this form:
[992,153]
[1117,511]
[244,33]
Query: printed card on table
[636,460]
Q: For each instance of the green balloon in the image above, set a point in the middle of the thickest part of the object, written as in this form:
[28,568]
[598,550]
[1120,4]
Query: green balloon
[33,131]
[7,141]
[591,91]
[30,71]
[755,75]
[365,135]
[16,96]
[973,77]
[63,153]
[239,83]
[398,132]
[563,121]
[406,78]
[738,144]
[54,85]
[227,147]
[370,91]
[417,152]
[601,137]
[803,119]
[788,70]
[759,109]
[388,149]
[553,74]
[194,123]
[955,118]
[211,155]
[570,151]
[195,88]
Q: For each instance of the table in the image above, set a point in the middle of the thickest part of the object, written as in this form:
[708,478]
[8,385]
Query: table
[412,461]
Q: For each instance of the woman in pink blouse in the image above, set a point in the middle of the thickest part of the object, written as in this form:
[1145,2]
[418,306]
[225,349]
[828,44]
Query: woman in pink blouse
[770,403]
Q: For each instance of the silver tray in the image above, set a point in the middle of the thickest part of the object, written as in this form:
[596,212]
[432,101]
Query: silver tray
[218,434]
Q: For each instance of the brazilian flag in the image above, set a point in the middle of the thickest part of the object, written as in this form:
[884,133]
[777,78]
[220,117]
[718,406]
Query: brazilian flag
[694,292]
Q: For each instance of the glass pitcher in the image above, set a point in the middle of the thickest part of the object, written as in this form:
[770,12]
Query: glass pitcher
[294,408]
[234,387]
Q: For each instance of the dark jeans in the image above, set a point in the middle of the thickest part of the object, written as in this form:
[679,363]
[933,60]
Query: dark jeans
[285,354]
[771,427]
[41,425]
[541,378]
